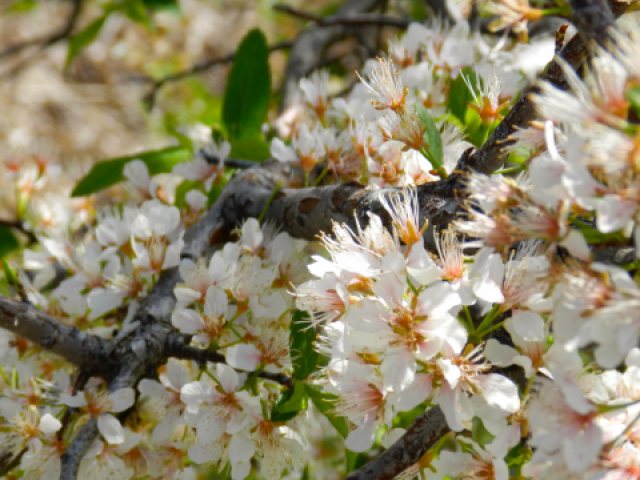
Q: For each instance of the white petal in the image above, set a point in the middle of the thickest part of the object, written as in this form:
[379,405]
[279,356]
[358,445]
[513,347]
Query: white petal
[110,428]
[186,320]
[243,357]
[499,392]
[241,449]
[194,394]
[361,439]
[49,423]
[75,401]
[122,399]
[529,325]
[227,377]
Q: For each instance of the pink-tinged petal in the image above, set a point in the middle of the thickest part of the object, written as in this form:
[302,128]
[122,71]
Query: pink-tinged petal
[499,392]
[122,399]
[614,213]
[414,394]
[573,394]
[398,368]
[49,423]
[194,394]
[500,469]
[421,266]
[529,325]
[505,441]
[499,354]
[110,428]
[361,439]
[75,401]
[455,405]
[390,288]
[244,357]
[227,377]
[187,321]
[582,449]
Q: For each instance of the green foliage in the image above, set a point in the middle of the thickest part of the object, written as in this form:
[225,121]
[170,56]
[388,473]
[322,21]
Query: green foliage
[181,191]
[246,97]
[8,241]
[431,134]
[83,38]
[479,433]
[136,11]
[303,354]
[290,403]
[108,172]
[166,5]
[459,94]
[325,403]
[633,95]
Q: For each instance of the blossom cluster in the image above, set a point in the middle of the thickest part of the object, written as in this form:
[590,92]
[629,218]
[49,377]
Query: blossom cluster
[510,327]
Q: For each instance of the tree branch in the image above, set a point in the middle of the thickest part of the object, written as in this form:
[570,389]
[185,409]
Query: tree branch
[489,157]
[150,98]
[362,19]
[425,431]
[26,320]
[177,345]
[48,40]
[311,44]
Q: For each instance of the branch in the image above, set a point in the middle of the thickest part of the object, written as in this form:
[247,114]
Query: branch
[229,162]
[311,44]
[425,431]
[27,321]
[489,157]
[150,98]
[362,19]
[177,345]
[48,40]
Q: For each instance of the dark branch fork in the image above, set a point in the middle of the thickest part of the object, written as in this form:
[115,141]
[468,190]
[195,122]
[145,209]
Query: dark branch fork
[303,213]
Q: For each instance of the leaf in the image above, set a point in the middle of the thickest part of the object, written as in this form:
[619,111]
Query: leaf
[303,355]
[8,241]
[459,94]
[633,95]
[181,192]
[81,39]
[136,11]
[166,5]
[290,403]
[431,134]
[109,172]
[214,193]
[250,148]
[246,97]
[479,433]
[325,403]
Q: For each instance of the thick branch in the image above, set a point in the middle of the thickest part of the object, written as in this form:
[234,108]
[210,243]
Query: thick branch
[489,157]
[425,431]
[27,321]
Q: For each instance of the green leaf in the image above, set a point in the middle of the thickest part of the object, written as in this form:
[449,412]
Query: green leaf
[303,355]
[136,11]
[253,148]
[325,403]
[8,241]
[166,5]
[214,193]
[181,192]
[479,433]
[81,39]
[431,134]
[633,95]
[290,403]
[459,94]
[109,172]
[246,97]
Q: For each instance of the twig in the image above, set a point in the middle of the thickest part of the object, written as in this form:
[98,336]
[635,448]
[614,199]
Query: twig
[150,98]
[229,162]
[72,344]
[489,157]
[177,345]
[311,44]
[48,40]
[362,19]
